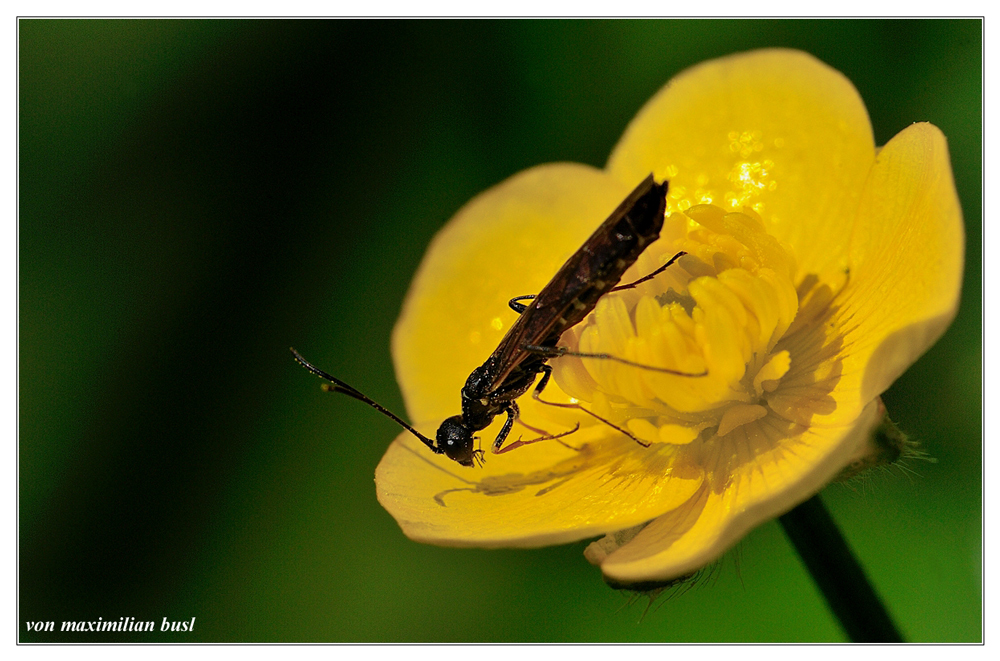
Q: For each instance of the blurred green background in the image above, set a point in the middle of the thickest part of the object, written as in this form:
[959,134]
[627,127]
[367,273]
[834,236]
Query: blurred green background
[197,196]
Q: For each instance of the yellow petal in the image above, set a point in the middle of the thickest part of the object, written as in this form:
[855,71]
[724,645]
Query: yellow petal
[529,499]
[683,541]
[906,260]
[506,242]
[776,140]
[775,130]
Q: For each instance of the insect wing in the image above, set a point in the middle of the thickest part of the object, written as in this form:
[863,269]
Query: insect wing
[595,268]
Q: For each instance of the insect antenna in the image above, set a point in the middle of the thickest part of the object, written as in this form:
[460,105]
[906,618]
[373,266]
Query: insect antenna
[336,385]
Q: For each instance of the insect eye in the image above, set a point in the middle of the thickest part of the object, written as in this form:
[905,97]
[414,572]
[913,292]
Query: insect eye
[461,452]
[455,439]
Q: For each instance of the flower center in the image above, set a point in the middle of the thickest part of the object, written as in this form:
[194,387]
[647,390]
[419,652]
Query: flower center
[718,316]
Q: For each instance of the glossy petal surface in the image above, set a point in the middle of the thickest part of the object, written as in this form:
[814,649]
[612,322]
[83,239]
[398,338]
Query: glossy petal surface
[815,274]
[775,130]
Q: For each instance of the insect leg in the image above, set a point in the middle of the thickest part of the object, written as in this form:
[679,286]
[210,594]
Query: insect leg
[555,352]
[540,432]
[517,306]
[547,369]
[477,456]
[652,275]
[512,412]
[519,443]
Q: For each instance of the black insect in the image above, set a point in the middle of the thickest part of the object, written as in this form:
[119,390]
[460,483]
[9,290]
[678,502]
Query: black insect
[591,272]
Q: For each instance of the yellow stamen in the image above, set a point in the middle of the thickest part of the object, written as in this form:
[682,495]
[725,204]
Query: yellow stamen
[717,317]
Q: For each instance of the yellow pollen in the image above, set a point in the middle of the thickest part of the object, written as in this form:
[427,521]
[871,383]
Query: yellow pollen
[496,323]
[678,434]
[699,339]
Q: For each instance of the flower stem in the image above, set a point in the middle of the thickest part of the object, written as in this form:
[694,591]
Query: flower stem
[838,575]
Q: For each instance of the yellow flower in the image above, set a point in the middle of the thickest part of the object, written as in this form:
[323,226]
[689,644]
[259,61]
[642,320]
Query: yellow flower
[819,268]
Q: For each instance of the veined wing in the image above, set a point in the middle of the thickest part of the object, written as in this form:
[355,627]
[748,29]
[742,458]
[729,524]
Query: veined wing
[588,274]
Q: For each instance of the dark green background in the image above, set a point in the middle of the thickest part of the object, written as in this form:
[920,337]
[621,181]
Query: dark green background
[196,196]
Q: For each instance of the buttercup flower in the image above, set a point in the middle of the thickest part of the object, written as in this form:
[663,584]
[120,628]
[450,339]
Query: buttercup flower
[818,268]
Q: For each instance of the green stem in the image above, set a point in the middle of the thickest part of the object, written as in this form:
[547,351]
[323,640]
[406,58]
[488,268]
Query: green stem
[838,575]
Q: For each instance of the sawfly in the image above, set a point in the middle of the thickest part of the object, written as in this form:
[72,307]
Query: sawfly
[591,272]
